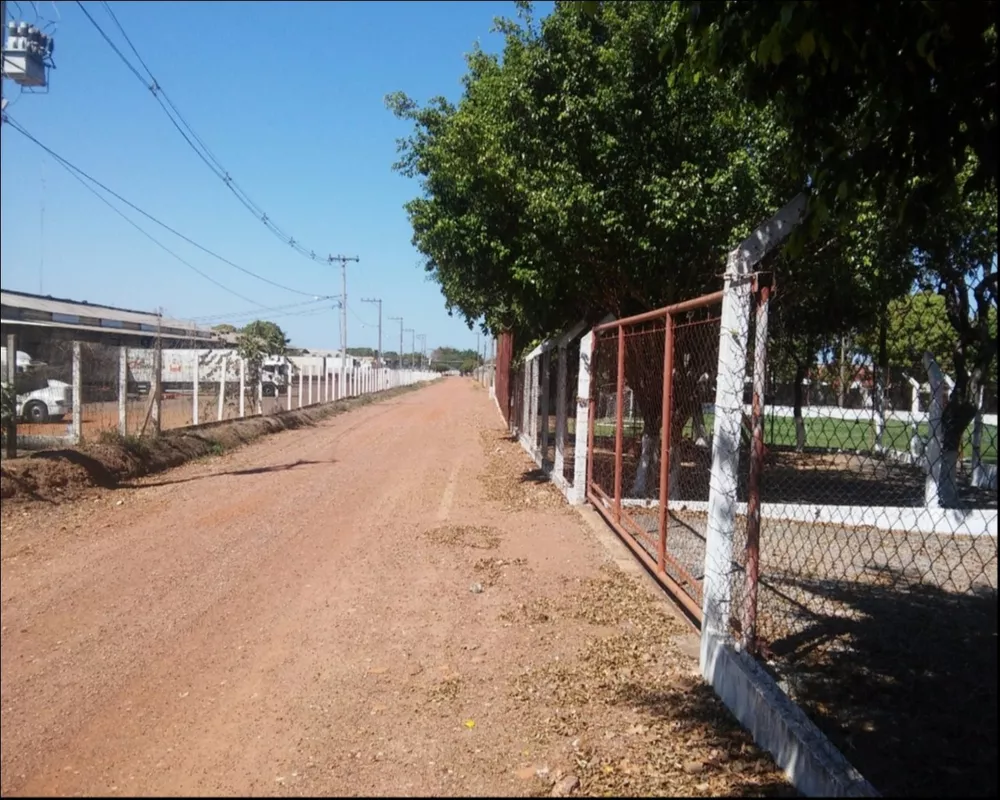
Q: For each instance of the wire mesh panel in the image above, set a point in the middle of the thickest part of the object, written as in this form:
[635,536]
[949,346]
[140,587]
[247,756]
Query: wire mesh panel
[515,413]
[641,418]
[100,369]
[603,427]
[877,591]
[44,388]
[572,356]
[694,362]
[548,410]
[653,381]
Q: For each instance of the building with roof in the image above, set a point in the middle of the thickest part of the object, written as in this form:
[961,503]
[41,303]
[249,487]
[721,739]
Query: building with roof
[40,320]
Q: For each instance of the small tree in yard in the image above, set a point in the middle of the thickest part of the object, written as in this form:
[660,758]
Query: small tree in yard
[8,405]
[258,340]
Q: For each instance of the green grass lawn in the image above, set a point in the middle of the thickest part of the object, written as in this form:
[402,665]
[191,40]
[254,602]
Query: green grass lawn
[835,434]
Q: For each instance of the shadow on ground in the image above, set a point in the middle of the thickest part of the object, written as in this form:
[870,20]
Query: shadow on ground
[905,683]
[237,472]
[535,476]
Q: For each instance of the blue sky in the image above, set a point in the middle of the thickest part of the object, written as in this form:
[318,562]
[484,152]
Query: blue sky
[289,98]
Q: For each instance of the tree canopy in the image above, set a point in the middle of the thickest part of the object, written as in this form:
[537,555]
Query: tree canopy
[261,338]
[616,151]
[570,180]
[895,100]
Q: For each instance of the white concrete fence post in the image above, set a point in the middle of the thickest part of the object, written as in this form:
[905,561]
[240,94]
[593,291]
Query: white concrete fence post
[940,490]
[301,386]
[581,432]
[77,435]
[222,388]
[195,387]
[243,387]
[979,479]
[123,390]
[916,444]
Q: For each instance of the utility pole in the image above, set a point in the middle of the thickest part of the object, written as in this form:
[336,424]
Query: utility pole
[343,311]
[378,301]
[423,348]
[400,321]
[410,331]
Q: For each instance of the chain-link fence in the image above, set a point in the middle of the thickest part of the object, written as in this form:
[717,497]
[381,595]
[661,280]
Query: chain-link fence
[69,391]
[876,575]
[844,507]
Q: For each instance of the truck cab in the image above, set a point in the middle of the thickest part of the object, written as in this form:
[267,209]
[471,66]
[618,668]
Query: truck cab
[39,398]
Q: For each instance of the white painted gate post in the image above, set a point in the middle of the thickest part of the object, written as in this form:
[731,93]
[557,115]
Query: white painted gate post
[581,433]
[734,334]
[301,385]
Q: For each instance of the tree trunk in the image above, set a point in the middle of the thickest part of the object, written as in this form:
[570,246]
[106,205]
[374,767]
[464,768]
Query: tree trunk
[842,384]
[949,417]
[647,474]
[698,431]
[881,382]
[800,428]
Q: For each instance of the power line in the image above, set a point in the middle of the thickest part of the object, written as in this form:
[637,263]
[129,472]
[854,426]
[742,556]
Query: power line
[250,312]
[190,136]
[157,242]
[355,314]
[77,172]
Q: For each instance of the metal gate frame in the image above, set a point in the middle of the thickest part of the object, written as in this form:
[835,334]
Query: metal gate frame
[610,508]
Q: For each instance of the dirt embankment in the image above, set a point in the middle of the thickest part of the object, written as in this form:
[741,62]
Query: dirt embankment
[63,474]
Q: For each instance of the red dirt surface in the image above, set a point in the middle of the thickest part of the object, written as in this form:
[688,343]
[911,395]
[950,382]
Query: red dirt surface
[375,605]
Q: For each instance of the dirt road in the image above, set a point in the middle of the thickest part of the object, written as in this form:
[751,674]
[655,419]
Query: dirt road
[382,604]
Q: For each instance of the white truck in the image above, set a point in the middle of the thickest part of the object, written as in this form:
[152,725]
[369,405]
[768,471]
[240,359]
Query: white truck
[177,372]
[39,398]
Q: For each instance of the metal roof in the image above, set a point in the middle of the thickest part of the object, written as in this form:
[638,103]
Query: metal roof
[21,308]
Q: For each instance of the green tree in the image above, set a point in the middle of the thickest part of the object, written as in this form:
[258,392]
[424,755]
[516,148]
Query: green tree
[575,177]
[257,341]
[892,99]
[225,327]
[570,180]
[887,103]
[916,323]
